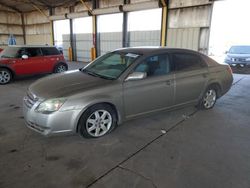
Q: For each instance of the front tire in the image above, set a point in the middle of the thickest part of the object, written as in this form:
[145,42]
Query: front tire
[5,76]
[97,121]
[209,98]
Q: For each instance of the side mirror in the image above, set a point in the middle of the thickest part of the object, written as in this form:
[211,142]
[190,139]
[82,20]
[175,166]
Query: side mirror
[136,76]
[25,57]
[226,52]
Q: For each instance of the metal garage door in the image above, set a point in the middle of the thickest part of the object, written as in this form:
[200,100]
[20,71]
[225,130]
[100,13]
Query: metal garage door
[144,27]
[109,32]
[82,29]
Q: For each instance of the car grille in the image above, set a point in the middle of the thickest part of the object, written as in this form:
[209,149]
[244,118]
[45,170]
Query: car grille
[239,59]
[30,100]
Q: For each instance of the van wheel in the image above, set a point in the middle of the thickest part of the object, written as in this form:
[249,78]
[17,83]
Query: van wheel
[60,68]
[97,121]
[5,76]
[209,98]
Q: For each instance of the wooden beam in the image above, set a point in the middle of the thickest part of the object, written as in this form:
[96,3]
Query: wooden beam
[11,7]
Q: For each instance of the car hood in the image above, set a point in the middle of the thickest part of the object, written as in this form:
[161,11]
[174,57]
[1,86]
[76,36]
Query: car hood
[66,84]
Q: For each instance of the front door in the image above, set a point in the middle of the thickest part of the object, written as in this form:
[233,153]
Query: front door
[153,93]
[34,64]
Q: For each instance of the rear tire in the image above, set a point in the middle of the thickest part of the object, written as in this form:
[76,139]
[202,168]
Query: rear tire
[209,98]
[61,67]
[97,121]
[5,76]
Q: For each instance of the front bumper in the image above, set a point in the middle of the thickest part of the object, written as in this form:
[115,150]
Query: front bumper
[238,64]
[60,122]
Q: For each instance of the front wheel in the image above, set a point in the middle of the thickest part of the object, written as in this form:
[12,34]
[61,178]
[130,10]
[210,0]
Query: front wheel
[60,68]
[209,98]
[5,76]
[97,121]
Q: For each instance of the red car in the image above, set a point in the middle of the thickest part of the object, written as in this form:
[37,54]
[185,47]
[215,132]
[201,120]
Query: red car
[1,49]
[30,60]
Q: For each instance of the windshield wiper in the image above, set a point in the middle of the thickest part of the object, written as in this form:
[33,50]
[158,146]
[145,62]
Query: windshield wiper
[95,74]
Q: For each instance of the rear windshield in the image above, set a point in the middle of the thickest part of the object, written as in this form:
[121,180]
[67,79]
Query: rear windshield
[239,50]
[10,52]
[50,51]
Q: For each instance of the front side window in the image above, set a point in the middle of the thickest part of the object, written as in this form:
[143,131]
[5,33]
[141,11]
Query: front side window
[111,65]
[185,62]
[155,65]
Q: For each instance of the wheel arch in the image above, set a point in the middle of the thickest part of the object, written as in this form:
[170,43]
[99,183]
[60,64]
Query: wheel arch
[217,87]
[13,74]
[58,63]
[117,114]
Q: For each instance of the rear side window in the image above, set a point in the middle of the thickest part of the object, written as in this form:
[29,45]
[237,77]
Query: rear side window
[186,61]
[50,51]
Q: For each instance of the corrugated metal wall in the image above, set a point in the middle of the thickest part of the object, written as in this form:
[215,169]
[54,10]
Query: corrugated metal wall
[66,46]
[184,38]
[83,46]
[144,38]
[189,24]
[110,41]
[10,23]
[188,27]
[37,28]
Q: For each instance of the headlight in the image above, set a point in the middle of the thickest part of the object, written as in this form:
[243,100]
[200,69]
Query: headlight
[248,59]
[50,105]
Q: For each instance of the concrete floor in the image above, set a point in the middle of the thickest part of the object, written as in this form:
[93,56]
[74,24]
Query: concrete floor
[184,148]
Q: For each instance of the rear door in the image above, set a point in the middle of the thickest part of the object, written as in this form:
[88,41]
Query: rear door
[191,75]
[153,93]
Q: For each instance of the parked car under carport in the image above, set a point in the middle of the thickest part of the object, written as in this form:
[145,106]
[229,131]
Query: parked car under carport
[122,85]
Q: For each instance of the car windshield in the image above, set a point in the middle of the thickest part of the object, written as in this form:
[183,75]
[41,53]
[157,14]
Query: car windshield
[111,65]
[10,52]
[239,50]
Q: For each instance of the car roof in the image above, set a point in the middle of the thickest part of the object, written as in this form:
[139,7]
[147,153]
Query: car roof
[31,46]
[148,50]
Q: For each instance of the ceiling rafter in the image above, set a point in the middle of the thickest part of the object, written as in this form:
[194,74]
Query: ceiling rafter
[10,7]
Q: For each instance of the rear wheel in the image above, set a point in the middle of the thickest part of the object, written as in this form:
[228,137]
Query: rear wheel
[60,68]
[5,76]
[97,121]
[209,98]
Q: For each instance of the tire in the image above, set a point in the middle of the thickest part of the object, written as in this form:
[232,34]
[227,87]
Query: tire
[97,121]
[5,76]
[209,98]
[61,67]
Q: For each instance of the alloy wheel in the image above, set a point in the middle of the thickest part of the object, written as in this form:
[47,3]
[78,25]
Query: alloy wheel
[209,98]
[5,76]
[99,123]
[60,68]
